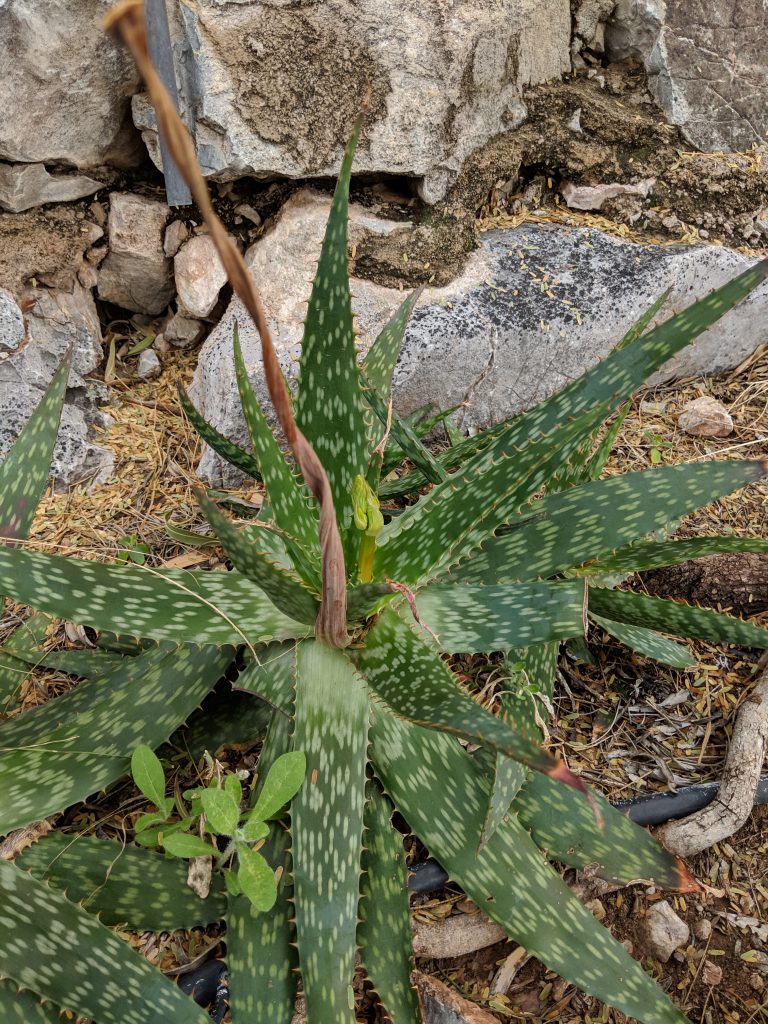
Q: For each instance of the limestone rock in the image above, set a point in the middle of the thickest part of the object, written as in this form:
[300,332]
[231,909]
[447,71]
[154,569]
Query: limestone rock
[444,79]
[592,197]
[136,273]
[65,86]
[11,323]
[705,417]
[199,275]
[456,935]
[706,63]
[182,331]
[56,320]
[176,235]
[149,365]
[662,931]
[493,341]
[23,186]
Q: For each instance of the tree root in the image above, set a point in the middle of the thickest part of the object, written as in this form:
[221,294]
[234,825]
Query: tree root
[733,804]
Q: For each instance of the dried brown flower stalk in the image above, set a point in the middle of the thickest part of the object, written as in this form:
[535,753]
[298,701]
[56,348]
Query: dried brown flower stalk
[127,19]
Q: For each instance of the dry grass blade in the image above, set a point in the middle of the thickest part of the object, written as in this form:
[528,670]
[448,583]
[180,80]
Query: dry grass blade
[127,18]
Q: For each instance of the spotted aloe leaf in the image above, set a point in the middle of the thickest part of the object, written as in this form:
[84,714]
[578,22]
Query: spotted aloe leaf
[656,555]
[379,364]
[568,528]
[613,380]
[529,687]
[674,617]
[163,604]
[226,718]
[24,470]
[97,976]
[332,729]
[228,450]
[428,775]
[458,515]
[28,729]
[508,777]
[647,642]
[122,884]
[85,664]
[404,669]
[261,950]
[19,1006]
[485,619]
[384,932]
[82,756]
[565,828]
[285,588]
[329,408]
[404,436]
[288,498]
[271,675]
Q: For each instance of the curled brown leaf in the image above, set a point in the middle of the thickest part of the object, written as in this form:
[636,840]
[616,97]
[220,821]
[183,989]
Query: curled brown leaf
[127,19]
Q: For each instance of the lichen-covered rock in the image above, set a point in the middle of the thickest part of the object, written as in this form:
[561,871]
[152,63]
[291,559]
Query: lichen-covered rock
[11,323]
[534,307]
[274,88]
[706,62]
[136,273]
[65,86]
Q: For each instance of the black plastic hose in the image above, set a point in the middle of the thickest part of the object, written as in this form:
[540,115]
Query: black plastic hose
[649,809]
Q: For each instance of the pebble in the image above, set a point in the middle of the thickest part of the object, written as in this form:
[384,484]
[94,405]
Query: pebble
[149,364]
[703,929]
[711,974]
[176,235]
[662,931]
[705,417]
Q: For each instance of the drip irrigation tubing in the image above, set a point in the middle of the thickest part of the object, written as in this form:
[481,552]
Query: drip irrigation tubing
[649,809]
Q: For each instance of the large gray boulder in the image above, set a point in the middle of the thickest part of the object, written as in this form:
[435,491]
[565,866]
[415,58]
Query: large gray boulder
[534,307]
[65,85]
[29,354]
[707,65]
[274,87]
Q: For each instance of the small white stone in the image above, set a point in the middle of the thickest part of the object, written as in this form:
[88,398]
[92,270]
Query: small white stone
[149,364]
[703,929]
[574,125]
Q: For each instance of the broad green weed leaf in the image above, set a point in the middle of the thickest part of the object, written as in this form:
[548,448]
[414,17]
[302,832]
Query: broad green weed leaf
[182,844]
[256,879]
[148,774]
[283,781]
[221,810]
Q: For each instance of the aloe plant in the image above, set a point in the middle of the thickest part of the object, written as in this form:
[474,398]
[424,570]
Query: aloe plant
[337,616]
